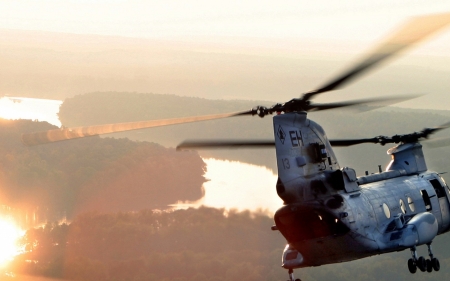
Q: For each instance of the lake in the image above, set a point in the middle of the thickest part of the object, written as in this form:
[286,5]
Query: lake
[231,184]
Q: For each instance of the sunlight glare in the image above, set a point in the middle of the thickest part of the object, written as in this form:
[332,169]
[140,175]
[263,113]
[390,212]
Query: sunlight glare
[9,235]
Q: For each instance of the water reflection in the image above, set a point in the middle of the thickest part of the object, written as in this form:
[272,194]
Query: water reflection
[231,184]
[29,108]
[236,185]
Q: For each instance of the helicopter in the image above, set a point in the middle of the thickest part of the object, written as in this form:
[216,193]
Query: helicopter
[330,215]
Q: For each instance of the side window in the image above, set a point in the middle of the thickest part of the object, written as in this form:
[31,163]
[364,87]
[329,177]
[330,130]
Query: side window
[411,204]
[386,211]
[440,191]
[402,206]
[426,199]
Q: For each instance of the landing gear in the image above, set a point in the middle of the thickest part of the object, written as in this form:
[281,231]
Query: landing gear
[291,275]
[412,266]
[422,263]
[429,266]
[434,262]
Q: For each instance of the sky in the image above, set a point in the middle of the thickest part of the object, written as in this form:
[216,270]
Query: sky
[182,19]
[333,34]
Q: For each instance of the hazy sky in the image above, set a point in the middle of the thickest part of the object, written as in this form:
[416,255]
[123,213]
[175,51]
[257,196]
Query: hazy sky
[292,28]
[168,19]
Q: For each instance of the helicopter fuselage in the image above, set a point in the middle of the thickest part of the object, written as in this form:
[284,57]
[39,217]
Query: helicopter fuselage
[332,216]
[364,223]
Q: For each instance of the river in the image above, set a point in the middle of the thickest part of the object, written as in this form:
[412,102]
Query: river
[231,184]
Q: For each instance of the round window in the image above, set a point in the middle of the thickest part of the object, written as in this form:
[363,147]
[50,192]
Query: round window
[411,204]
[402,206]
[386,210]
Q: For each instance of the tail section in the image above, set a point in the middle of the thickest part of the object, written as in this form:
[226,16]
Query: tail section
[306,162]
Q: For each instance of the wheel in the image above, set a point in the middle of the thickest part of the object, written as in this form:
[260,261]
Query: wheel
[421,264]
[435,263]
[429,266]
[412,266]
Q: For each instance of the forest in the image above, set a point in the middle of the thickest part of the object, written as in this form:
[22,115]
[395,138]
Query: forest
[93,174]
[114,190]
[193,244]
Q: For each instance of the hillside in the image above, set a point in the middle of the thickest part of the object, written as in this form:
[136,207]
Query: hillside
[93,174]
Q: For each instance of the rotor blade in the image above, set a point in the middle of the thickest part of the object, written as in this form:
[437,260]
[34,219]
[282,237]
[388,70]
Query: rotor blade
[375,103]
[351,142]
[412,32]
[438,142]
[194,144]
[80,132]
[219,144]
[441,127]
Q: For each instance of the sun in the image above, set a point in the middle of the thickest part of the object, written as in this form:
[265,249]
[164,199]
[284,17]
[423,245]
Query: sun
[9,235]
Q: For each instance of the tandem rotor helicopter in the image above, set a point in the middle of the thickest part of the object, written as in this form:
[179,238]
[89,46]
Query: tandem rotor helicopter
[329,214]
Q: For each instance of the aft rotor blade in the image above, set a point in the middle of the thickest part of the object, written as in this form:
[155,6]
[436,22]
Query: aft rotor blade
[438,128]
[438,142]
[381,102]
[412,32]
[194,144]
[80,132]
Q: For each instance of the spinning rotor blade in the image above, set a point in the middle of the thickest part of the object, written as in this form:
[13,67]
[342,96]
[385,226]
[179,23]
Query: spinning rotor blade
[406,138]
[373,102]
[219,144]
[439,142]
[350,142]
[412,32]
[80,132]
[198,144]
[413,137]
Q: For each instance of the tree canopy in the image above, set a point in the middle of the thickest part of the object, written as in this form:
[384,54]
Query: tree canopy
[102,174]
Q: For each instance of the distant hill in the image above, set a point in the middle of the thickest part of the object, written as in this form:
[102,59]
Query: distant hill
[110,107]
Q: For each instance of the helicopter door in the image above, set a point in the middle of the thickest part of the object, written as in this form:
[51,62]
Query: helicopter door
[432,205]
[443,202]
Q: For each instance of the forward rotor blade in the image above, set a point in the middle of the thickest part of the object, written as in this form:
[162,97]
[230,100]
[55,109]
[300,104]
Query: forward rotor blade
[350,142]
[194,144]
[412,32]
[80,132]
[220,144]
